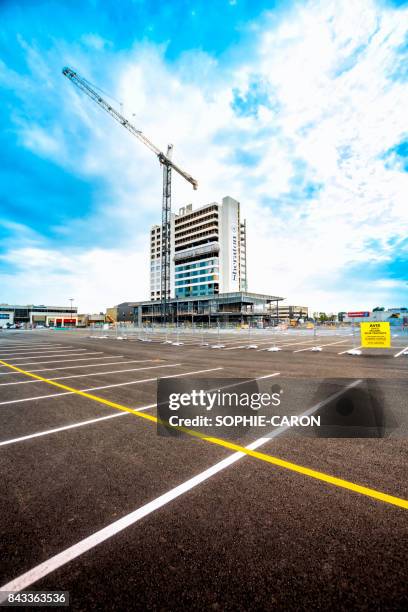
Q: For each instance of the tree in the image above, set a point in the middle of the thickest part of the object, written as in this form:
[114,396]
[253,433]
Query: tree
[379,309]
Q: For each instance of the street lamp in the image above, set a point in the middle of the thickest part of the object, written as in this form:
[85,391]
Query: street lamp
[71,300]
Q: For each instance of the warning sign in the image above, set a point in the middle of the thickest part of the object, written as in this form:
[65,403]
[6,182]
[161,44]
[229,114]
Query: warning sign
[375,335]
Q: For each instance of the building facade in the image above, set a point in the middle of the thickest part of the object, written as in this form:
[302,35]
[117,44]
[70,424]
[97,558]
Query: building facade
[235,308]
[394,316]
[286,312]
[208,252]
[90,320]
[31,315]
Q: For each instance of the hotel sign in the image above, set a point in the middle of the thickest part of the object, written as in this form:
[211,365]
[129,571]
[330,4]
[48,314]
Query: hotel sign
[234,253]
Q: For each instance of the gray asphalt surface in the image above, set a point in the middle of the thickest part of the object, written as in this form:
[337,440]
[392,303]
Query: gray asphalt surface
[253,536]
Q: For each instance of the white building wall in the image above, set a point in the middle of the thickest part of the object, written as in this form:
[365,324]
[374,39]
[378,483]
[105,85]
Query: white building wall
[229,246]
[155,263]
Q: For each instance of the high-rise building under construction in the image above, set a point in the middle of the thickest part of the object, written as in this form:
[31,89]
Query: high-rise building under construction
[208,251]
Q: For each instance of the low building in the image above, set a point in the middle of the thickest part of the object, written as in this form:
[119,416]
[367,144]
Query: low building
[395,316]
[33,316]
[284,312]
[122,313]
[236,308]
[125,312]
[87,320]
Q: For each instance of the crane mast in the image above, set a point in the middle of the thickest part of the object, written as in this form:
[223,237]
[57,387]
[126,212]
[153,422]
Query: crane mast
[165,236]
[168,166]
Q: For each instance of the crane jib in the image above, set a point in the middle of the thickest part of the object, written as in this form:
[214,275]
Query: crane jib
[168,166]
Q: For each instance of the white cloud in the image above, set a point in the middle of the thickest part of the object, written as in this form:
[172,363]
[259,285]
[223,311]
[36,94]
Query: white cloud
[41,141]
[325,67]
[94,41]
[96,279]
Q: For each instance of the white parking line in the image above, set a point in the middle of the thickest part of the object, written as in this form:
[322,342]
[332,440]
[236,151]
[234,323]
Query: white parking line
[97,419]
[34,347]
[27,346]
[248,341]
[132,382]
[309,348]
[285,344]
[87,365]
[69,554]
[60,361]
[401,352]
[26,382]
[44,352]
[271,342]
[33,354]
[349,349]
[73,426]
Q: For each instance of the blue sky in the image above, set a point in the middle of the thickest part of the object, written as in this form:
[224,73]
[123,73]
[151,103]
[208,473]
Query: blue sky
[295,109]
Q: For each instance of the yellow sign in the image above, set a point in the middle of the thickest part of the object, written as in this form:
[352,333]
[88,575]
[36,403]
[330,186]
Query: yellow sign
[375,335]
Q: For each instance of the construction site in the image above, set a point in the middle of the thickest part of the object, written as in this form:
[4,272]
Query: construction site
[106,507]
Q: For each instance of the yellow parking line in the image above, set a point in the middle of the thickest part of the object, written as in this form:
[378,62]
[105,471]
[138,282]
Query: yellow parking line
[294,467]
[91,396]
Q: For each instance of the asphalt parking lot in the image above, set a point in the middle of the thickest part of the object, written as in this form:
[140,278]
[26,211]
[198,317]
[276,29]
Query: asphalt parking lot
[94,502]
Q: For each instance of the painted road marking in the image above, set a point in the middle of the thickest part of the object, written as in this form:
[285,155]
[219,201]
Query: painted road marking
[29,346]
[401,352]
[67,360]
[34,353]
[284,345]
[339,482]
[269,341]
[66,354]
[69,554]
[96,420]
[9,342]
[73,426]
[83,391]
[39,350]
[32,343]
[26,382]
[90,365]
[86,365]
[330,344]
[124,384]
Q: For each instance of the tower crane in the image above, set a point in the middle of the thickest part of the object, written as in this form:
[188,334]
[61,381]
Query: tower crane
[168,165]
